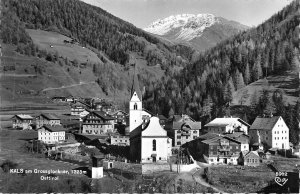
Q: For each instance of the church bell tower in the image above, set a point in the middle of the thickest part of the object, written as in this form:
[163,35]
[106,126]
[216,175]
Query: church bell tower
[135,105]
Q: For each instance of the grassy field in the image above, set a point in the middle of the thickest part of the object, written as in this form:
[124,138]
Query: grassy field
[246,179]
[54,42]
[288,83]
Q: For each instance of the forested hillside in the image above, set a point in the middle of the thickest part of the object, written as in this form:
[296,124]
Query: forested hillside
[88,24]
[118,44]
[204,88]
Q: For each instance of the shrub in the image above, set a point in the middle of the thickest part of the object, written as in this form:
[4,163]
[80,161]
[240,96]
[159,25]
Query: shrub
[7,165]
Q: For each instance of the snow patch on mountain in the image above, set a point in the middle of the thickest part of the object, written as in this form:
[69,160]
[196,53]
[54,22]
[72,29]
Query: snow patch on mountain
[186,26]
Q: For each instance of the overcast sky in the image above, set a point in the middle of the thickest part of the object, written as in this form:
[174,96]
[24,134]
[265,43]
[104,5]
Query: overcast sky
[141,13]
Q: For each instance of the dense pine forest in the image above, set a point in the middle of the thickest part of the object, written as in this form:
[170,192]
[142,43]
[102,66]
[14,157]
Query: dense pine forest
[204,88]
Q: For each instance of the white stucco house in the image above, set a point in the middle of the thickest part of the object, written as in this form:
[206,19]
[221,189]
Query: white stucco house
[272,131]
[51,134]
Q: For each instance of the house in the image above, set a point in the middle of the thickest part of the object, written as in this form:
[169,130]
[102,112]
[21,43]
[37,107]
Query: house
[271,131]
[97,122]
[252,159]
[182,132]
[46,119]
[227,125]
[120,117]
[51,134]
[22,121]
[58,99]
[118,139]
[70,99]
[215,148]
[77,108]
[162,120]
[241,137]
[149,142]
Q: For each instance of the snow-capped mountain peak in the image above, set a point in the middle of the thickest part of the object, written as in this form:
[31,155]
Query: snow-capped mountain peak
[186,26]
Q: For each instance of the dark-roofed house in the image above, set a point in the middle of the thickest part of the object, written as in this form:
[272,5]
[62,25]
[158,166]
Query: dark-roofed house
[162,120]
[183,132]
[120,117]
[227,125]
[51,134]
[47,119]
[271,131]
[241,137]
[215,149]
[182,129]
[78,107]
[97,123]
[22,121]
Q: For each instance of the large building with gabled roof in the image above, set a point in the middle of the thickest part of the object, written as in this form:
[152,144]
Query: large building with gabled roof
[22,121]
[47,119]
[227,125]
[215,148]
[97,123]
[51,134]
[271,131]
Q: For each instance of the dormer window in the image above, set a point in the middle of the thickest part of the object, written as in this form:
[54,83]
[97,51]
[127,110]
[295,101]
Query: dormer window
[135,106]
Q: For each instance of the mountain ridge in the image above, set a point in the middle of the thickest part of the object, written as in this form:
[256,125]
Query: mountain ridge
[201,31]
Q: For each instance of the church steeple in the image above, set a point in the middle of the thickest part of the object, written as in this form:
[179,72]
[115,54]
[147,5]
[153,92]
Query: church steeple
[135,85]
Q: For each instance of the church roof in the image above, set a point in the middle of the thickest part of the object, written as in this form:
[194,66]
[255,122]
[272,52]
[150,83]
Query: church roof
[136,87]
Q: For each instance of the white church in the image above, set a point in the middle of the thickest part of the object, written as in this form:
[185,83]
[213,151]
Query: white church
[149,142]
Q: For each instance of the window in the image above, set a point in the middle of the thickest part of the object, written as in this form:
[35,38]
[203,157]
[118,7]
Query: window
[135,106]
[266,132]
[195,131]
[178,137]
[187,137]
[194,137]
[211,160]
[266,138]
[159,158]
[154,145]
[178,143]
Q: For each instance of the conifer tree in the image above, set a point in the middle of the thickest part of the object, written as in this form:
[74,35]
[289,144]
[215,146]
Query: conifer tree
[247,75]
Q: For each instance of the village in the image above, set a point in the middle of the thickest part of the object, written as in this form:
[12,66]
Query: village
[95,129]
